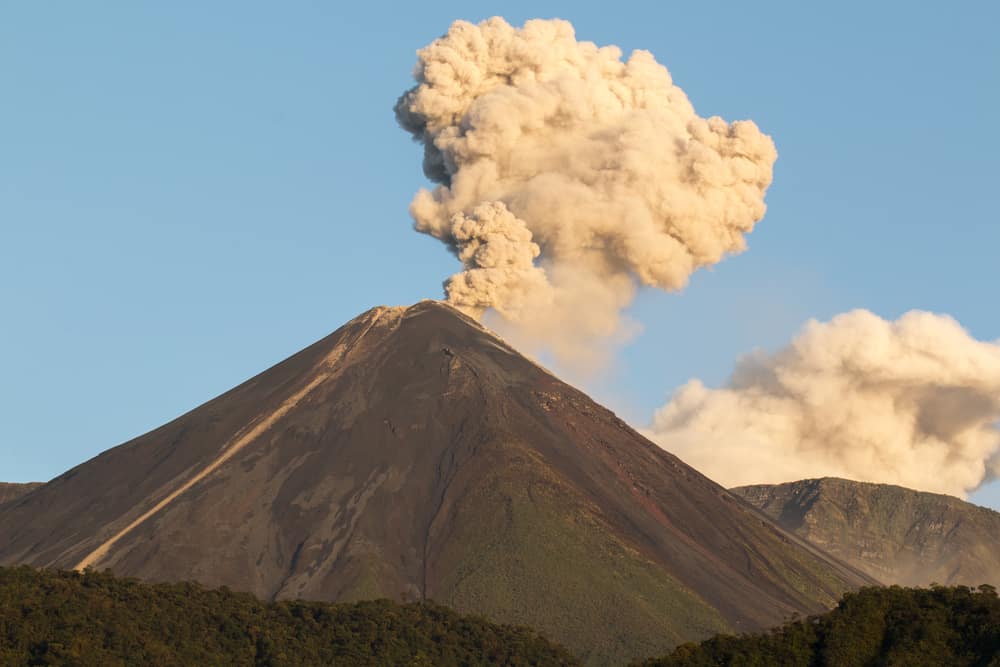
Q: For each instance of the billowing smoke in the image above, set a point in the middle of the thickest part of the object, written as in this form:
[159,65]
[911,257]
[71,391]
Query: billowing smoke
[913,402]
[568,177]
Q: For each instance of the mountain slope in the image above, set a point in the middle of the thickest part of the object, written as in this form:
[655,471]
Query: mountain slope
[414,454]
[897,535]
[9,491]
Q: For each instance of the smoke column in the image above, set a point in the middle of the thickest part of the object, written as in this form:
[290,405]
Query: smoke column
[568,177]
[915,402]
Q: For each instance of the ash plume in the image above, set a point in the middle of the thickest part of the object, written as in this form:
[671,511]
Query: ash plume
[914,402]
[568,177]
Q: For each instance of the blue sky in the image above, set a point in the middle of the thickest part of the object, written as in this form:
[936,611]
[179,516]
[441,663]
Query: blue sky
[190,193]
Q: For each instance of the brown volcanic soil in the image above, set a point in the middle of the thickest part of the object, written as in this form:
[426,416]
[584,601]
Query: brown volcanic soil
[414,454]
[897,535]
[10,491]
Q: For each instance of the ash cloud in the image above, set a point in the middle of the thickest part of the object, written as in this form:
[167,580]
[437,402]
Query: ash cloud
[914,402]
[567,178]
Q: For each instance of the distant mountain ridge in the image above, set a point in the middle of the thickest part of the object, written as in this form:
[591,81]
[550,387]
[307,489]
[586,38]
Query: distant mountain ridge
[413,454]
[12,490]
[894,534]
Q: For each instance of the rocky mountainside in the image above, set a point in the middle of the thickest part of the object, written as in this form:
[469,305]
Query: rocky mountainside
[10,491]
[414,455]
[896,535]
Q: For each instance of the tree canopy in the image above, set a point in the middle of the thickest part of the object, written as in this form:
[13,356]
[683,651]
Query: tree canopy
[956,626]
[50,617]
[93,618]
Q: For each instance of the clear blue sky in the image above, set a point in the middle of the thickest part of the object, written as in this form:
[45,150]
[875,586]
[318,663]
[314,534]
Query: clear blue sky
[190,192]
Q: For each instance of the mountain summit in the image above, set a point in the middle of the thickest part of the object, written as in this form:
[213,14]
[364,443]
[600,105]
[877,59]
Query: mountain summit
[413,454]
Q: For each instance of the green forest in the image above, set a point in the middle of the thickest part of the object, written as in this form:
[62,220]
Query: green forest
[874,627]
[93,618]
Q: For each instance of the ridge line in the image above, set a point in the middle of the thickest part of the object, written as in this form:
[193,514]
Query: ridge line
[240,442]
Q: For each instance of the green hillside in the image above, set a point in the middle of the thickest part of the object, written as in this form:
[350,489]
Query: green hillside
[68,618]
[52,617]
[911,627]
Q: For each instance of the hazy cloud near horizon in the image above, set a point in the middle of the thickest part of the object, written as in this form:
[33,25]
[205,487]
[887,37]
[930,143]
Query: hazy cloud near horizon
[568,177]
[914,402]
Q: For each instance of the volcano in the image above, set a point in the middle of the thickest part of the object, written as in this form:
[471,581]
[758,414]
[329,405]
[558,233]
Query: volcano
[413,454]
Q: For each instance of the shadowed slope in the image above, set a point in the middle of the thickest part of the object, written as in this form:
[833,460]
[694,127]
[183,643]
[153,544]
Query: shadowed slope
[897,535]
[414,454]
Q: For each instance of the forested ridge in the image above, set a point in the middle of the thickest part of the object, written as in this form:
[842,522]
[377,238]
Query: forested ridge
[905,627]
[50,617]
[93,618]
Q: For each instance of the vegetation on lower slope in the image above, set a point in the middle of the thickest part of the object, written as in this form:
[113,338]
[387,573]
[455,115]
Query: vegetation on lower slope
[63,618]
[52,617]
[530,551]
[956,626]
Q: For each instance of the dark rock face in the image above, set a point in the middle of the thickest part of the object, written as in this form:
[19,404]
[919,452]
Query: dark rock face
[413,454]
[10,491]
[897,535]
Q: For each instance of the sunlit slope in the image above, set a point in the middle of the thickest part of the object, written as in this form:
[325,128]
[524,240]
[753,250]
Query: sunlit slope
[897,535]
[413,454]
